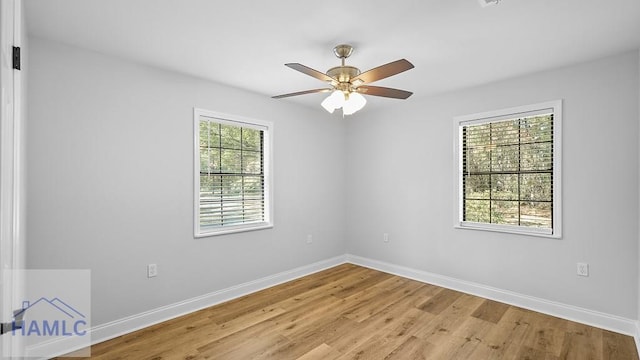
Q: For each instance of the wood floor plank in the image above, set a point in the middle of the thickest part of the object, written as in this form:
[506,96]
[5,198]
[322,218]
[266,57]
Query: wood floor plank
[505,339]
[440,301]
[394,333]
[364,283]
[473,330]
[371,301]
[412,348]
[254,348]
[352,312]
[547,334]
[155,336]
[386,319]
[440,328]
[616,347]
[321,352]
[581,342]
[310,322]
[527,353]
[463,341]
[285,291]
[317,334]
[279,325]
[491,311]
[311,333]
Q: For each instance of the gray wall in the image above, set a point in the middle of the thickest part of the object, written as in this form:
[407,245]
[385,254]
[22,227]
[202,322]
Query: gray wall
[400,181]
[110,183]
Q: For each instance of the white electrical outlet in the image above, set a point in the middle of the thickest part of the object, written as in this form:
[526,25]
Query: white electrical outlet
[152,270]
[583,269]
[309,239]
[385,237]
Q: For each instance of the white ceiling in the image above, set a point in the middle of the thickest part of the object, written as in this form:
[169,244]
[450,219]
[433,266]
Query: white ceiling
[452,43]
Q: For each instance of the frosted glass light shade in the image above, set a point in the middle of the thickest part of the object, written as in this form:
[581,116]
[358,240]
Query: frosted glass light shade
[333,101]
[327,104]
[355,103]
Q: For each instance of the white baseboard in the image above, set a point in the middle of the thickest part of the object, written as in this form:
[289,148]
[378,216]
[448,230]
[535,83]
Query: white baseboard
[564,311]
[129,324]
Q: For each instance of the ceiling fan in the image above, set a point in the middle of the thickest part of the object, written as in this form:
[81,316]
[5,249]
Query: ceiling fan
[347,83]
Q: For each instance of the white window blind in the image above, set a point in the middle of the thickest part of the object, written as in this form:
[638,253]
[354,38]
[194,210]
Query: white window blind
[508,175]
[232,176]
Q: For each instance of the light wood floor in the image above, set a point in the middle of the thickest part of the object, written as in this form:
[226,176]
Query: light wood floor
[351,312]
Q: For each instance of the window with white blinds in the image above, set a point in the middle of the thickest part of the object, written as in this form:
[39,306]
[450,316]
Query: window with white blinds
[232,181]
[508,170]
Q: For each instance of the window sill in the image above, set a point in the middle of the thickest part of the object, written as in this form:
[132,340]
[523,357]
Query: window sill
[232,230]
[508,229]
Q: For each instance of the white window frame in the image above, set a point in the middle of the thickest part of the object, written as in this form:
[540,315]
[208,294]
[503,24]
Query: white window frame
[235,120]
[504,114]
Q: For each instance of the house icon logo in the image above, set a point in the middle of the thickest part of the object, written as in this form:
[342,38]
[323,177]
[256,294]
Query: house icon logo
[49,317]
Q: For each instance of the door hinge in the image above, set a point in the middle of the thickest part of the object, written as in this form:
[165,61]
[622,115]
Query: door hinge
[18,322]
[16,57]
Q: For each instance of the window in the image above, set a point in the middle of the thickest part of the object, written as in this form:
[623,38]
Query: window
[508,170]
[232,174]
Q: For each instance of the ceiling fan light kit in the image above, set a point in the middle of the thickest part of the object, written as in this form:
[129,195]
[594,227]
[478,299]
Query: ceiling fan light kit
[347,83]
[333,101]
[354,103]
[349,102]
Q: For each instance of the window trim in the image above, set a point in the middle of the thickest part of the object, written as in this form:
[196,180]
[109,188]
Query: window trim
[503,114]
[235,120]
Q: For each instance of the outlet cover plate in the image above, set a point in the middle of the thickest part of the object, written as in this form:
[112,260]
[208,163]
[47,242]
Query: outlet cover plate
[152,270]
[583,269]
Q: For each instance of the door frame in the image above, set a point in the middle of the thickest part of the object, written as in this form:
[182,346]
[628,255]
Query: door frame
[12,247]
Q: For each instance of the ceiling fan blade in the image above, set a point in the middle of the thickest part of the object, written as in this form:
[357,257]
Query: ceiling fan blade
[301,93]
[384,92]
[384,71]
[311,72]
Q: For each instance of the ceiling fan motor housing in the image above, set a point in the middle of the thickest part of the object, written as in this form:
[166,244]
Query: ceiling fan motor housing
[343,73]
